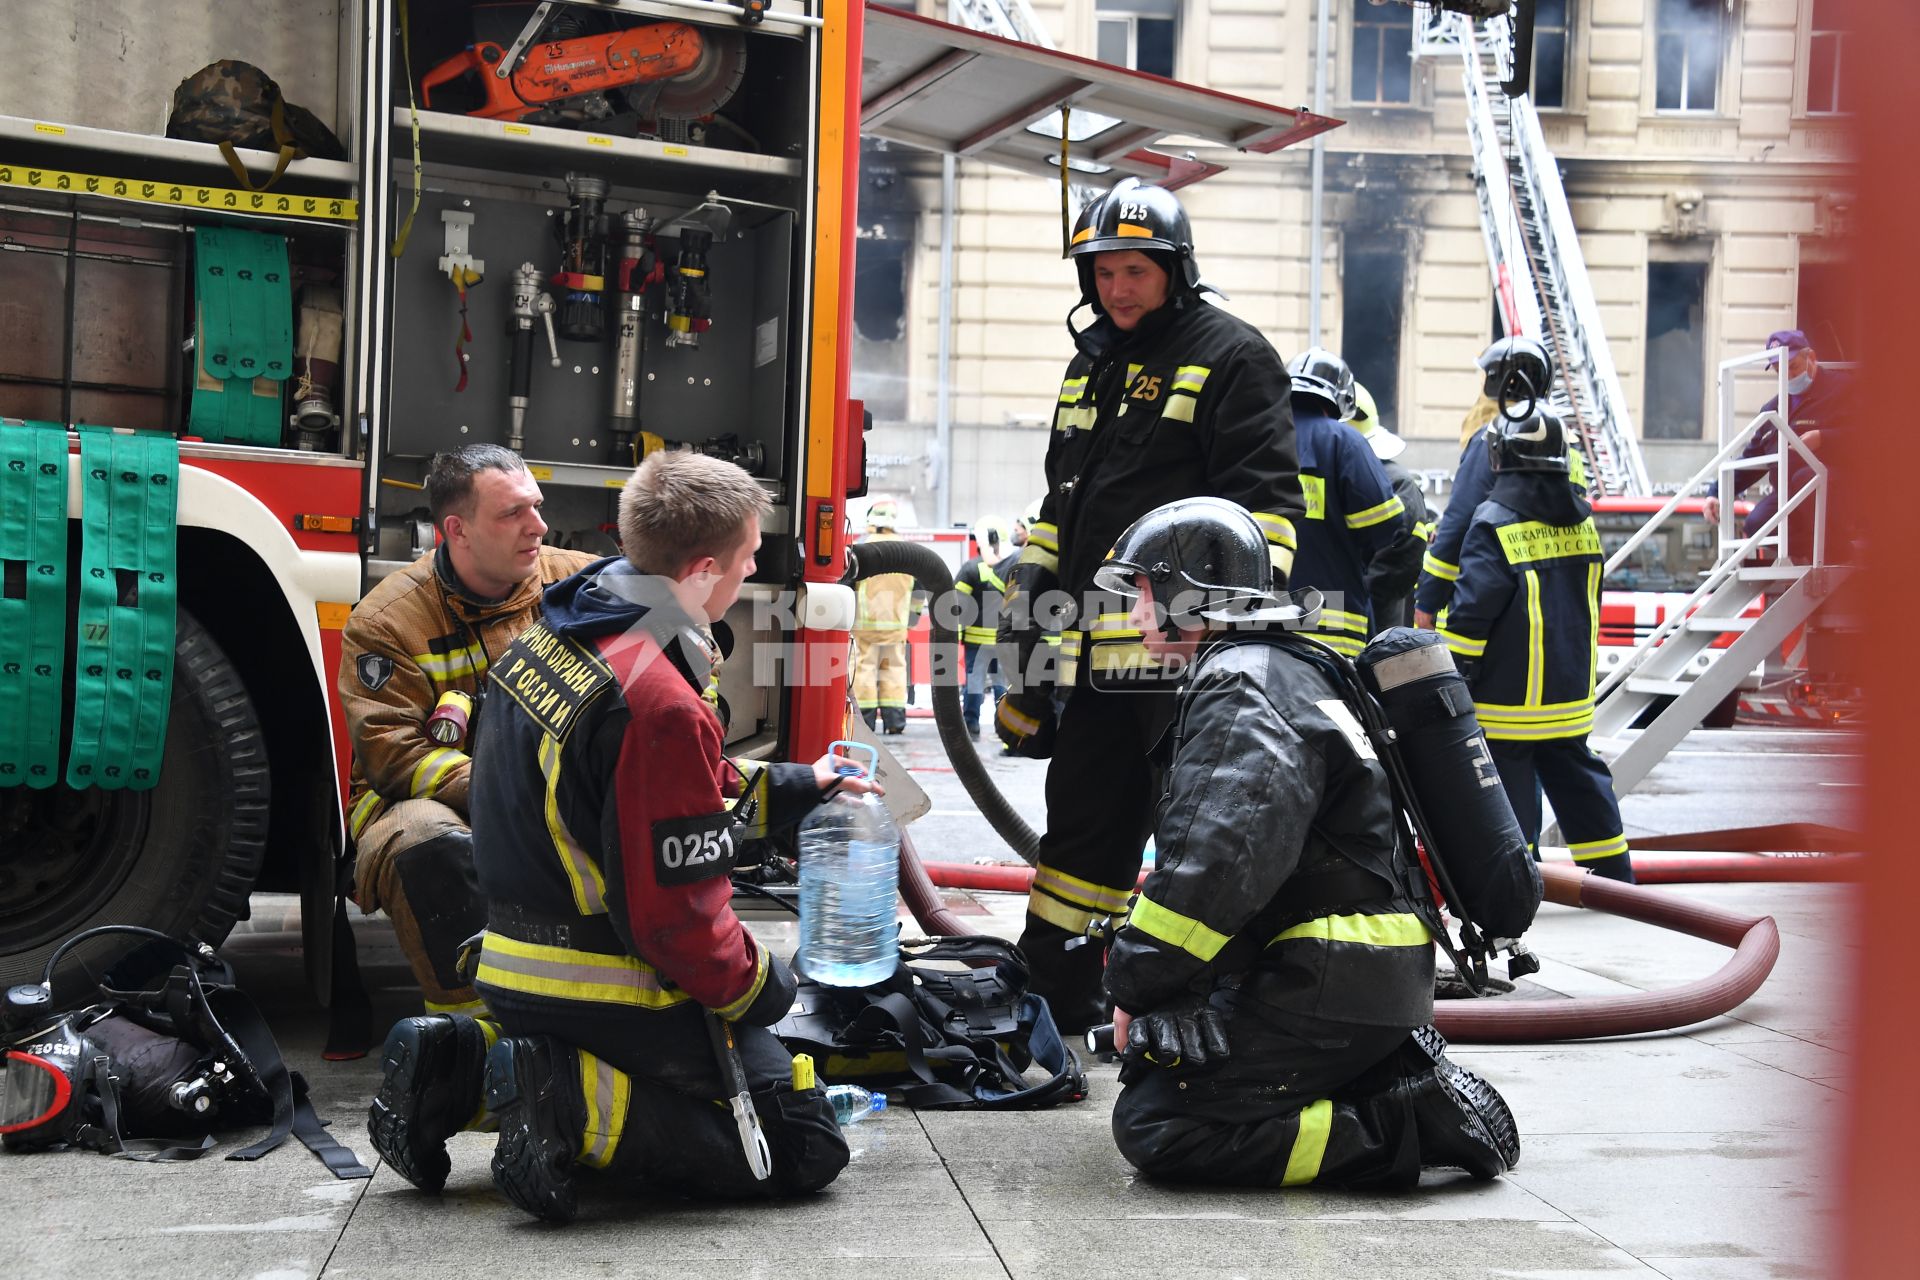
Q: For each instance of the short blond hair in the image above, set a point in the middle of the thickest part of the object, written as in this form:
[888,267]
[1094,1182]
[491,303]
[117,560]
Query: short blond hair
[678,507]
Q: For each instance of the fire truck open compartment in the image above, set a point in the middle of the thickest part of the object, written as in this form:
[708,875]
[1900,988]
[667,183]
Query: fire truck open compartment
[106,227]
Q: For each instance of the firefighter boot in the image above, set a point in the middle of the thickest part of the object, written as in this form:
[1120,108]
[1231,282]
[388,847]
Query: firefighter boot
[894,719]
[430,1090]
[1463,1121]
[531,1089]
[872,716]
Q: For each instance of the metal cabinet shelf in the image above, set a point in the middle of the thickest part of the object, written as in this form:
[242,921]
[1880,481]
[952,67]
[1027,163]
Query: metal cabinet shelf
[543,150]
[146,158]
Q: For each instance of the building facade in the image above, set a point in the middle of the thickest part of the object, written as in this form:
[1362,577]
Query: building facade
[1702,143]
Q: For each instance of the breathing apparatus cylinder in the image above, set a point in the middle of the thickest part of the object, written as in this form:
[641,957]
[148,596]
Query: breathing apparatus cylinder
[634,274]
[1472,833]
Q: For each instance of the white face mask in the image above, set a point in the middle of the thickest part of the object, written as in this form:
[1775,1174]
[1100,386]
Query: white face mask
[1796,385]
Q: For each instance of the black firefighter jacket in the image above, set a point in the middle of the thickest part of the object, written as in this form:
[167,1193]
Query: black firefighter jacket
[1192,403]
[1353,523]
[1524,625]
[1277,855]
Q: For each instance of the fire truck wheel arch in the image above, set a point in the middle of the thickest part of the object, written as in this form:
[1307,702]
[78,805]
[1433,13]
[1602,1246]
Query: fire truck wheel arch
[180,858]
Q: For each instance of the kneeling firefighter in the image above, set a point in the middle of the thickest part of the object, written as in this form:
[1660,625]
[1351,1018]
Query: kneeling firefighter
[633,1005]
[1277,968]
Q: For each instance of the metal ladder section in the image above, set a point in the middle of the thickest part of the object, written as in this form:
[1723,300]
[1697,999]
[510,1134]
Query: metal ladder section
[1539,275]
[1797,584]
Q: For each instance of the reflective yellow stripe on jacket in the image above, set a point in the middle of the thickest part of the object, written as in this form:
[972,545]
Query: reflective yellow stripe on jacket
[1183,932]
[1400,929]
[1282,541]
[433,770]
[561,973]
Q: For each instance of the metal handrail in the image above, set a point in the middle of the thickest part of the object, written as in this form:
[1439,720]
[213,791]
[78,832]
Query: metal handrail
[1732,552]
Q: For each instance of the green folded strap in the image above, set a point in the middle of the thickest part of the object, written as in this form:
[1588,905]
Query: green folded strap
[123,657]
[244,333]
[33,600]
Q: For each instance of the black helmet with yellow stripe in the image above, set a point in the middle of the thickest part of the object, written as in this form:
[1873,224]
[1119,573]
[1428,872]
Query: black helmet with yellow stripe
[1135,215]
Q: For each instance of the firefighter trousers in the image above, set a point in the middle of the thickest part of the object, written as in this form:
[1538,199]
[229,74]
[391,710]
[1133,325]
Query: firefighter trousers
[1101,791]
[1300,1101]
[880,668]
[415,862]
[652,1109]
[1580,787]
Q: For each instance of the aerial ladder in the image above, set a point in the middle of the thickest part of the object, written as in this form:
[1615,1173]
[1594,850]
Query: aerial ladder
[1539,276]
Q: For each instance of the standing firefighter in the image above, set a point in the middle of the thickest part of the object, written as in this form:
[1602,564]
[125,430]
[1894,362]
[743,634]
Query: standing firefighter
[1169,397]
[607,820]
[983,581]
[1278,966]
[1524,628]
[885,603]
[413,665]
[1355,522]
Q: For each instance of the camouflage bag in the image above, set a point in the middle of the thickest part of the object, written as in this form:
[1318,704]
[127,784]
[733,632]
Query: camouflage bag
[236,104]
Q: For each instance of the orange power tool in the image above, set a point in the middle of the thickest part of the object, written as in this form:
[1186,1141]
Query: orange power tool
[554,71]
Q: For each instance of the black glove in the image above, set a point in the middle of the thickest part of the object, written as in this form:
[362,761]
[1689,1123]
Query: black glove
[1025,723]
[1187,1033]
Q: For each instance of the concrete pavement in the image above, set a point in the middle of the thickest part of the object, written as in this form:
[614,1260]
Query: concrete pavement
[1703,1154]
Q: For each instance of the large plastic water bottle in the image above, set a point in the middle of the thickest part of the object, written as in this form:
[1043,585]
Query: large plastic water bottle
[849,878]
[850,1102]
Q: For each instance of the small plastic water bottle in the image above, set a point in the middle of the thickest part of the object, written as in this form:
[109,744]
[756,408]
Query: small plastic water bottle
[849,879]
[850,1102]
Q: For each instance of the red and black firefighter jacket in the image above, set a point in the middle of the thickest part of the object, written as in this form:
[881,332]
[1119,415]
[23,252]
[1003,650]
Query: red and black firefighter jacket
[1524,625]
[1194,402]
[606,817]
[1278,865]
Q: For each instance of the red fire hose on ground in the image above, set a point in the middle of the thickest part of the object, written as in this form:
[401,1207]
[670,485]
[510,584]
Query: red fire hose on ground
[1755,941]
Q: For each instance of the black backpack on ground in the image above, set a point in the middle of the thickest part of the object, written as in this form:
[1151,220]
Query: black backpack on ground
[954,1028]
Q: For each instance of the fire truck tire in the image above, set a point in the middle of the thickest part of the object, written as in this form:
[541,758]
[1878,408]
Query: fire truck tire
[181,858]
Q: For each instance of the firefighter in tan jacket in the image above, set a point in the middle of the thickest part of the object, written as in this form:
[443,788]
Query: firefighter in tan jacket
[412,678]
[880,632]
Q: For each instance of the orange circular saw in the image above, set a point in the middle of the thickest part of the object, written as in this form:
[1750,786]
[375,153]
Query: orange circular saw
[684,71]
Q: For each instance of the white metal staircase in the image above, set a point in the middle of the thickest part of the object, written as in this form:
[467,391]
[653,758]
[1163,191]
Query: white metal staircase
[1801,578]
[1539,275]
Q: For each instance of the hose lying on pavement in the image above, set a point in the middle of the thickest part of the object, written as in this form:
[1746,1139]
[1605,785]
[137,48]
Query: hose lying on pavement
[1755,940]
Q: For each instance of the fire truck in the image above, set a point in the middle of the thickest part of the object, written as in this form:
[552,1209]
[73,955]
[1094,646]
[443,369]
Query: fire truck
[585,230]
